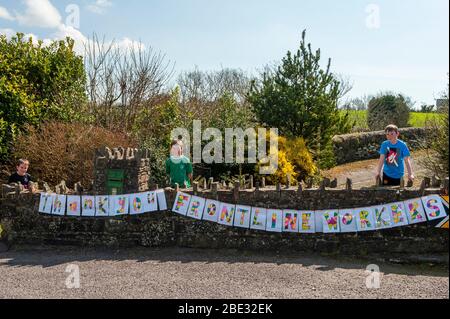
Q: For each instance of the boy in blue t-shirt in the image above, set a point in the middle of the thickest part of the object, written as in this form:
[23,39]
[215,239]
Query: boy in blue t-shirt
[392,153]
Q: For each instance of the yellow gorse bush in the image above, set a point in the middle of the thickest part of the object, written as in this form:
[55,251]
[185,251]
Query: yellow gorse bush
[294,160]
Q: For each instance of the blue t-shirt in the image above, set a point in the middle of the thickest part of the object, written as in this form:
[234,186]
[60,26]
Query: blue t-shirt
[394,154]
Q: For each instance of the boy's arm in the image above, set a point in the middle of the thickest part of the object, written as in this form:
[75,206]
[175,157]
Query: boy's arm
[189,172]
[379,166]
[409,168]
[382,153]
[408,164]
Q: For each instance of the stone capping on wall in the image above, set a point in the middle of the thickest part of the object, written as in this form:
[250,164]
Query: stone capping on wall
[213,188]
[120,153]
[362,146]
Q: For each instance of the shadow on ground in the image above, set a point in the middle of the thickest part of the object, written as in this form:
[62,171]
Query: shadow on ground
[53,256]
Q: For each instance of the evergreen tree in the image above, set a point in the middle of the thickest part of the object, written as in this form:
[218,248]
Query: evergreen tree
[300,98]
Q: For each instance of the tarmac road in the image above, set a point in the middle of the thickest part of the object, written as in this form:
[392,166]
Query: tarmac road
[206,274]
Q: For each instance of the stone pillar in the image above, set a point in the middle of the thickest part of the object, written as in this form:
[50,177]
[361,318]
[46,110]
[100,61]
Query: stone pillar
[135,164]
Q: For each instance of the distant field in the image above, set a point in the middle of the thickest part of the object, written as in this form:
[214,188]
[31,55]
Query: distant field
[416,119]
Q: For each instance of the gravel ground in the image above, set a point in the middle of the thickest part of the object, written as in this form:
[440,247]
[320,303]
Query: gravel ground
[207,274]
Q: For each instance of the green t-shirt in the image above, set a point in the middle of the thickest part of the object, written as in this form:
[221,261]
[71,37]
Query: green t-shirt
[178,168]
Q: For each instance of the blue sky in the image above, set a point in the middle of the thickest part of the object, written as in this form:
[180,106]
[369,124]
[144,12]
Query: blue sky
[396,45]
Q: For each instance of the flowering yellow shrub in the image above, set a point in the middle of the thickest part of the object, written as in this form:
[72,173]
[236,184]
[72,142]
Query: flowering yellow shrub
[294,160]
[301,158]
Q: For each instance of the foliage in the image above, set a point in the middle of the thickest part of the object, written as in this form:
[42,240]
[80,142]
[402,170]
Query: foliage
[387,109]
[199,87]
[121,80]
[294,160]
[298,154]
[38,83]
[326,157]
[60,151]
[285,169]
[416,119]
[359,120]
[345,124]
[158,154]
[227,110]
[437,142]
[300,98]
[426,108]
[230,114]
[357,104]
[158,121]
[217,98]
[153,125]
[152,128]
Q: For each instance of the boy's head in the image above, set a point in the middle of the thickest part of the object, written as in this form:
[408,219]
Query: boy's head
[176,148]
[22,166]
[392,132]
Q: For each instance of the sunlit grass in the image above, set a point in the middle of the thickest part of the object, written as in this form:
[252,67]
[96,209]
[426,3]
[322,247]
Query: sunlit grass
[416,119]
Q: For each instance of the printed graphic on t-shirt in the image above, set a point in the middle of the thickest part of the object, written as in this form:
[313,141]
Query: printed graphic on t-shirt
[392,156]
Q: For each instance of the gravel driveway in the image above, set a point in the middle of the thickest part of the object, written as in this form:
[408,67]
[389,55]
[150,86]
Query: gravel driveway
[209,274]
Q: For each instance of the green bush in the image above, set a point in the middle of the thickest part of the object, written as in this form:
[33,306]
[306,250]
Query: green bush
[38,83]
[436,145]
[387,109]
[152,128]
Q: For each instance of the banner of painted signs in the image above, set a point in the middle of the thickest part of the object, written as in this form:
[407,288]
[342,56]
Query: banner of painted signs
[371,218]
[102,206]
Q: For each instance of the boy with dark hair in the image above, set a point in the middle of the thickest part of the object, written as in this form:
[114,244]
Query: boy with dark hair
[21,176]
[393,152]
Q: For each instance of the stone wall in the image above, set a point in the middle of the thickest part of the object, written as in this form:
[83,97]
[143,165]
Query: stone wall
[363,146]
[24,225]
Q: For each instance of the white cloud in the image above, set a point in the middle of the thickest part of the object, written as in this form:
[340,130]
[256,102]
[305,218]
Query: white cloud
[10,33]
[125,44]
[99,6]
[4,14]
[33,37]
[40,13]
[128,44]
[67,31]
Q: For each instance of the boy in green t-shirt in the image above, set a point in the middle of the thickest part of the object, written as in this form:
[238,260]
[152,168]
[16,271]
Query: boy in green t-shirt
[178,166]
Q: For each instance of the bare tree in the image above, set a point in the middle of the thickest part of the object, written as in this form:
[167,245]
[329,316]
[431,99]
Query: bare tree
[358,103]
[345,85]
[210,86]
[200,91]
[123,79]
